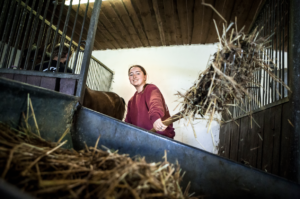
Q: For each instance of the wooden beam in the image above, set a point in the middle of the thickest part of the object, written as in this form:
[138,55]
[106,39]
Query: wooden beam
[177,24]
[208,13]
[253,13]
[137,24]
[110,13]
[241,11]
[108,36]
[110,28]
[198,23]
[185,9]
[145,13]
[161,9]
[170,21]
[159,23]
[123,14]
[213,36]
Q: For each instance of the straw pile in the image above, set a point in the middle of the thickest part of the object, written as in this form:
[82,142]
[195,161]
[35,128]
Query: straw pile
[229,73]
[45,170]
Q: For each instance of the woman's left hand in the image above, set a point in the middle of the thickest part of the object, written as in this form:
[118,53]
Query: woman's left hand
[159,126]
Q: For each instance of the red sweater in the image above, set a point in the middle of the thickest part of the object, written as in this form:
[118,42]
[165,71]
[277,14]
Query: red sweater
[146,107]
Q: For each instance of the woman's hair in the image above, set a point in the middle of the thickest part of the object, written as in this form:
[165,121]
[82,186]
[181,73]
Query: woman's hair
[138,66]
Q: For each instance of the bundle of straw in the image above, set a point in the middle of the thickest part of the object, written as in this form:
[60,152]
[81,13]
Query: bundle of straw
[45,170]
[229,73]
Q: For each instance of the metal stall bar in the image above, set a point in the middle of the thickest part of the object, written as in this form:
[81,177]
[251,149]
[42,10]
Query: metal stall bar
[7,27]
[49,31]
[264,58]
[279,54]
[32,38]
[4,12]
[283,45]
[294,82]
[88,50]
[26,34]
[57,28]
[40,36]
[62,41]
[80,37]
[20,30]
[11,37]
[73,30]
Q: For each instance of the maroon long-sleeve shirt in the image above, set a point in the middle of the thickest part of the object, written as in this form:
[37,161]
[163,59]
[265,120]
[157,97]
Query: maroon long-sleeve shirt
[146,107]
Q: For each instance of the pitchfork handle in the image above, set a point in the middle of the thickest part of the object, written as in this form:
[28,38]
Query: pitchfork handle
[171,120]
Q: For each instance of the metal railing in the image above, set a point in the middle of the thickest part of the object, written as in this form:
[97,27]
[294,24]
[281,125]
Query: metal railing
[30,32]
[274,18]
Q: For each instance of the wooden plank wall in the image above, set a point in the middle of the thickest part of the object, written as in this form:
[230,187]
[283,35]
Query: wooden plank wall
[266,147]
[66,86]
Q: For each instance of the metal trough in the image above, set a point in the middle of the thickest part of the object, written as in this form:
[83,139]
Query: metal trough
[209,174]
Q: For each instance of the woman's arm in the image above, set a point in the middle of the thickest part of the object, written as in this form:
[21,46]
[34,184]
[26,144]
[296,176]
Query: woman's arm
[154,100]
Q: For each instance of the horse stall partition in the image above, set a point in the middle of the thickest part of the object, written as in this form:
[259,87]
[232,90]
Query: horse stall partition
[30,32]
[261,133]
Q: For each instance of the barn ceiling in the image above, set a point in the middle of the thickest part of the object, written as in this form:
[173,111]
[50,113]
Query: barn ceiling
[145,23]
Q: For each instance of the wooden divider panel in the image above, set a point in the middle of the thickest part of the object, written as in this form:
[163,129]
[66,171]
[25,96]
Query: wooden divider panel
[68,86]
[48,82]
[234,139]
[7,75]
[256,140]
[286,142]
[34,80]
[224,147]
[20,78]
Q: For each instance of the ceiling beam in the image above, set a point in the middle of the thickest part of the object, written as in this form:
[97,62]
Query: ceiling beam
[159,23]
[124,16]
[145,13]
[170,21]
[137,24]
[110,13]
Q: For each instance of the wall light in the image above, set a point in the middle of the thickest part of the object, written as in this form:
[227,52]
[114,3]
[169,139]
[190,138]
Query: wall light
[75,2]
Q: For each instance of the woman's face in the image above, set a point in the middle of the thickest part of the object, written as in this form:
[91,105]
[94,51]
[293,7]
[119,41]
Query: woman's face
[137,77]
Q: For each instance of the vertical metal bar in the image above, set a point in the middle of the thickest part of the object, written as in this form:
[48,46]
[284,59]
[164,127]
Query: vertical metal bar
[26,33]
[63,39]
[7,27]
[294,82]
[265,53]
[4,13]
[49,31]
[40,35]
[57,28]
[283,49]
[277,47]
[20,30]
[73,30]
[272,16]
[80,37]
[11,36]
[88,50]
[280,63]
[32,38]
[288,44]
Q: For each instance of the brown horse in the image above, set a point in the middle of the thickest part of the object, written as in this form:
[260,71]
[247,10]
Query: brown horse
[108,103]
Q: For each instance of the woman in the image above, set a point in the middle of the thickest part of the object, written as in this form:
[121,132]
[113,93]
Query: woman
[147,108]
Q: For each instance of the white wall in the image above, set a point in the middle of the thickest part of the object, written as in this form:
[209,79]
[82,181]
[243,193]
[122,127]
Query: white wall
[172,69]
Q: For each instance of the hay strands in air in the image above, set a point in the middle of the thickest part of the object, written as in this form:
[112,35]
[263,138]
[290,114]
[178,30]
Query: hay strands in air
[229,73]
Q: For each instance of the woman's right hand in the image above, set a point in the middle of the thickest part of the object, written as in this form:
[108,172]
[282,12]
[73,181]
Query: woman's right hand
[159,126]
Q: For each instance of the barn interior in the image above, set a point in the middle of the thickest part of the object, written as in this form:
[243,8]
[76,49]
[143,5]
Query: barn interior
[173,39]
